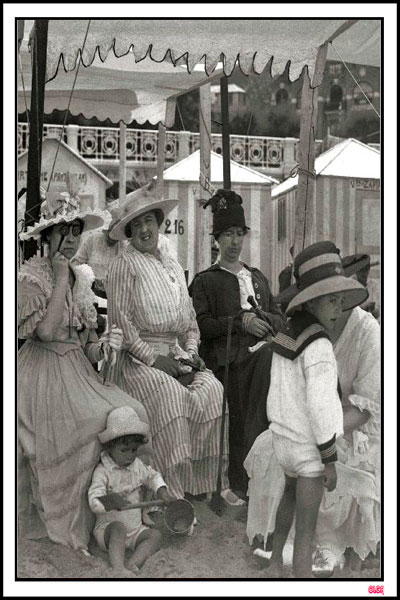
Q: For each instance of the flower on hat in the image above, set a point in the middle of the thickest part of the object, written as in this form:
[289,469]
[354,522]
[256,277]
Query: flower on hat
[62,203]
[222,199]
[227,209]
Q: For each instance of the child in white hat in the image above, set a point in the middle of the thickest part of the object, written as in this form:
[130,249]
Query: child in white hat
[122,472]
[303,404]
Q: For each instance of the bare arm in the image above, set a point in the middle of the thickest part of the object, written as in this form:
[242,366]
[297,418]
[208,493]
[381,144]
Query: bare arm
[353,418]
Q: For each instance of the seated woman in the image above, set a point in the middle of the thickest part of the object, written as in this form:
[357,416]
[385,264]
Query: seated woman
[62,402]
[148,300]
[221,291]
[349,517]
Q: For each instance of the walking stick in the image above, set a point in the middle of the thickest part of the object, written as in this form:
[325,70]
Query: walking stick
[217,503]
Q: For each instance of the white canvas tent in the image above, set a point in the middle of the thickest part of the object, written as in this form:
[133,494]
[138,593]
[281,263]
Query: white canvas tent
[118,89]
[346,205]
[189,221]
[253,42]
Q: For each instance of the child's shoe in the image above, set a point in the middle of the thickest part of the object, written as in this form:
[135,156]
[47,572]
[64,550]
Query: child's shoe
[325,563]
[231,498]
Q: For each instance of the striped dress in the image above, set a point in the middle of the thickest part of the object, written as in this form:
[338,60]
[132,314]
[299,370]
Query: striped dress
[148,295]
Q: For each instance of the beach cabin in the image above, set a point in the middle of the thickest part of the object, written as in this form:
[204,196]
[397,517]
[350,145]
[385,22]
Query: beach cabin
[182,226]
[93,184]
[346,206]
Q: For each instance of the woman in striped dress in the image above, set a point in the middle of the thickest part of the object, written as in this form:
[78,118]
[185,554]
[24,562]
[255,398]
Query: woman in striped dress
[148,300]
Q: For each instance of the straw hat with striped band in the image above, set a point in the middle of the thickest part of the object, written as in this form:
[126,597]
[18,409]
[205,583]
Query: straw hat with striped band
[318,270]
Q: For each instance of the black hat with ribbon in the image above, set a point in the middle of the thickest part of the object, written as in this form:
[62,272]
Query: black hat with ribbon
[227,211]
[318,271]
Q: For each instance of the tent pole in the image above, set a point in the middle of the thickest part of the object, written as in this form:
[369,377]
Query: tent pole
[204,226]
[122,163]
[36,130]
[225,133]
[162,130]
[308,127]
[20,31]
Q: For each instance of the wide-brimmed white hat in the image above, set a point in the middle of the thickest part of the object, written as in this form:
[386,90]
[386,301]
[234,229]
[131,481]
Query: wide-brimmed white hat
[123,421]
[141,201]
[318,270]
[62,205]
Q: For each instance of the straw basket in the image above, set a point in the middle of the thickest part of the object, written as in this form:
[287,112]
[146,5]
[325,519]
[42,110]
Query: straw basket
[179,517]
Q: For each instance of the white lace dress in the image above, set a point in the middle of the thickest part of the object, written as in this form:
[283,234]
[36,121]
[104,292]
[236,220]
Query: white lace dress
[62,406]
[350,515]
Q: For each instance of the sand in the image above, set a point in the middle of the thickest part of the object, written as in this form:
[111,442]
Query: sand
[218,549]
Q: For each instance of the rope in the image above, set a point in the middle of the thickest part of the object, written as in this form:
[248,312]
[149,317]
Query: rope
[69,104]
[250,120]
[27,211]
[205,126]
[210,188]
[180,116]
[355,80]
[297,169]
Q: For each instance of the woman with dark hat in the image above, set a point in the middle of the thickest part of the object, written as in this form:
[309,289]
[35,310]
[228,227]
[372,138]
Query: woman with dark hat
[232,288]
[148,300]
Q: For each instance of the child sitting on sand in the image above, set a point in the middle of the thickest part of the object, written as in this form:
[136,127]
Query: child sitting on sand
[121,472]
[303,404]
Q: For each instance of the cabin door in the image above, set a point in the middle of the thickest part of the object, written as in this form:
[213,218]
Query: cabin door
[368,223]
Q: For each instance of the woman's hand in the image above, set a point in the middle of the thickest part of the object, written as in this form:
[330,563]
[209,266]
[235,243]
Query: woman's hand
[110,343]
[115,338]
[330,478]
[60,266]
[167,364]
[258,328]
[199,362]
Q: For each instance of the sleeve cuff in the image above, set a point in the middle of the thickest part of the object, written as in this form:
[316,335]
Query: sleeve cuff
[191,347]
[143,352]
[157,482]
[327,451]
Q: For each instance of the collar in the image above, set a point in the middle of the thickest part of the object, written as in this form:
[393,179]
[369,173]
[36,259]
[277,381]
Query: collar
[217,267]
[303,328]
[243,270]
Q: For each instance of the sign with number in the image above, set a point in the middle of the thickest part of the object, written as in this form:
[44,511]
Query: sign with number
[175,226]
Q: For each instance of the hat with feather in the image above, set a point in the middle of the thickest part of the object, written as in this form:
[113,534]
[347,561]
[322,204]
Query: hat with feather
[227,211]
[61,204]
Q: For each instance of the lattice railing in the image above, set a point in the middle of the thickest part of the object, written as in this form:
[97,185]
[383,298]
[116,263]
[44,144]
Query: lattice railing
[103,143]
